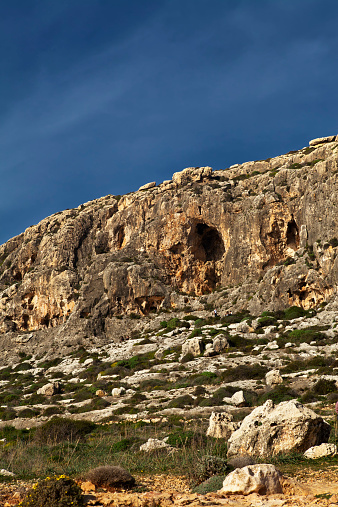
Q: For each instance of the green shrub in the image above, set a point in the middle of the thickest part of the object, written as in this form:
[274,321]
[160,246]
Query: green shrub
[324,386]
[294,312]
[188,357]
[164,323]
[123,445]
[266,321]
[277,395]
[61,429]
[181,401]
[214,483]
[54,492]
[28,413]
[244,372]
[53,411]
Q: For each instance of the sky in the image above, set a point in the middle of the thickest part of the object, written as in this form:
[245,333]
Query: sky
[100,97]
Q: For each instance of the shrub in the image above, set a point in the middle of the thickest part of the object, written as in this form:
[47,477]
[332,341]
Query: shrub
[294,312]
[28,413]
[266,321]
[110,477]
[324,386]
[186,439]
[52,411]
[207,466]
[188,357]
[214,483]
[278,394]
[181,401]
[244,372]
[61,429]
[54,492]
[122,445]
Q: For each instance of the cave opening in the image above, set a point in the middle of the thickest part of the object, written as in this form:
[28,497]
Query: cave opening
[292,235]
[210,246]
[119,235]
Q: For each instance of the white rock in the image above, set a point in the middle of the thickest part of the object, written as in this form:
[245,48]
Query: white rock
[191,174]
[318,451]
[262,479]
[238,399]
[118,391]
[154,443]
[273,377]
[221,425]
[272,346]
[285,428]
[269,329]
[6,472]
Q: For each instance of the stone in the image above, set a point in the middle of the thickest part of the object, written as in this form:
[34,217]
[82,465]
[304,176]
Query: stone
[220,343]
[273,378]
[319,451]
[152,184]
[261,479]
[209,350]
[221,425]
[238,399]
[118,391]
[286,427]
[100,393]
[192,346]
[7,473]
[153,443]
[191,174]
[321,140]
[50,389]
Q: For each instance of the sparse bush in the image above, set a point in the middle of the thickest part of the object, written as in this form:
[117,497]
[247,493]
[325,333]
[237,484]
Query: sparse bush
[53,411]
[244,372]
[207,466]
[61,429]
[110,477]
[55,492]
[277,395]
[324,386]
[181,401]
[188,357]
[29,413]
[294,312]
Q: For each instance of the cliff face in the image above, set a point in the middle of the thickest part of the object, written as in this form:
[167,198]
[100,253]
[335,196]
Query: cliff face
[265,231]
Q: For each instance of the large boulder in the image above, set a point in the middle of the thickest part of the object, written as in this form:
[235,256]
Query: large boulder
[221,425]
[261,479]
[270,430]
[220,343]
[193,346]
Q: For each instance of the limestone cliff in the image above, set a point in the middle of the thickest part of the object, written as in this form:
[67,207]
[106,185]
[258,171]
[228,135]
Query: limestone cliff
[260,235]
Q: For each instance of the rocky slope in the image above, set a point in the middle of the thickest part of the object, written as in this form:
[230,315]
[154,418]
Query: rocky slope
[258,236]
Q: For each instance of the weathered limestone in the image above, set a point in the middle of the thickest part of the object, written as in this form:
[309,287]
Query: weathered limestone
[152,184]
[118,391]
[319,451]
[270,430]
[153,443]
[273,378]
[321,140]
[221,425]
[262,479]
[193,346]
[220,343]
[49,389]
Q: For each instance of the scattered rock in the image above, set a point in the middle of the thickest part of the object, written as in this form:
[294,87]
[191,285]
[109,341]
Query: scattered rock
[273,377]
[118,391]
[261,479]
[153,443]
[100,393]
[270,430]
[221,425]
[50,389]
[319,451]
[7,473]
[238,399]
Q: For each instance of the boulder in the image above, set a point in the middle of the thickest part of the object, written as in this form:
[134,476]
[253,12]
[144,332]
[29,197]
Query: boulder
[319,451]
[100,393]
[273,378]
[118,391]
[262,479]
[153,443]
[221,425]
[243,327]
[269,430]
[238,399]
[209,350]
[7,473]
[220,343]
[322,140]
[152,184]
[50,389]
[193,346]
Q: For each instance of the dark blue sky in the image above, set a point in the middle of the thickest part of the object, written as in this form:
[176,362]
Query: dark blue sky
[101,96]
